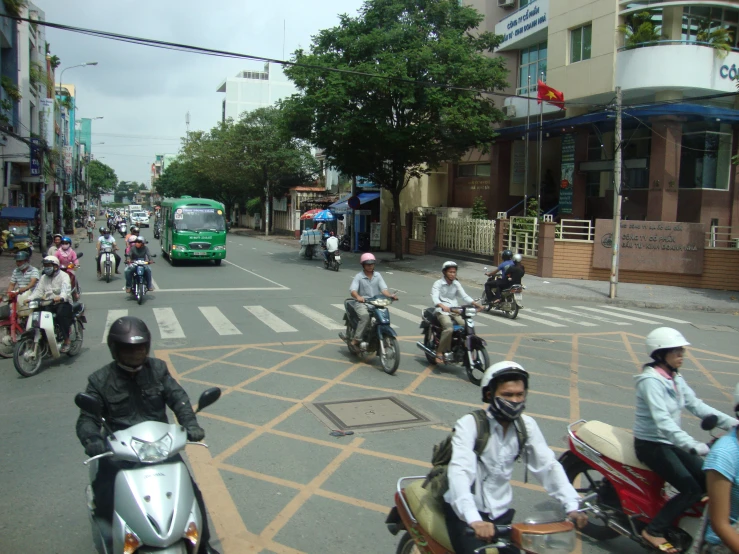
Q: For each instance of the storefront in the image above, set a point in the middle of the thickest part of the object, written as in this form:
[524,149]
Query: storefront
[363,220]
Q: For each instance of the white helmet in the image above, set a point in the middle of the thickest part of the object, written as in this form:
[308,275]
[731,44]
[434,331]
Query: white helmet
[496,371]
[664,337]
[447,265]
[51,260]
[517,257]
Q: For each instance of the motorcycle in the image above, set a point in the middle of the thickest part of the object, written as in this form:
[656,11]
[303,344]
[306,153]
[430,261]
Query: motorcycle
[43,337]
[622,493]
[70,269]
[123,229]
[345,243]
[107,259]
[333,262]
[511,299]
[157,230]
[379,336]
[11,326]
[467,348]
[11,241]
[154,503]
[138,285]
[419,514]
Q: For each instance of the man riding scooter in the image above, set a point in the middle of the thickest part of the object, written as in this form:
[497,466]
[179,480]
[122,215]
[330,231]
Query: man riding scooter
[55,284]
[56,245]
[366,284]
[512,276]
[332,245]
[139,251]
[106,239]
[492,285]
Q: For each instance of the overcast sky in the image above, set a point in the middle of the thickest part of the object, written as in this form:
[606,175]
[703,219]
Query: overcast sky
[146,92]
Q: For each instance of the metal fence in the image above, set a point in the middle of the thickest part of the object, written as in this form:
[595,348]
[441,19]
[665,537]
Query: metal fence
[576,230]
[522,235]
[720,236]
[418,230]
[466,235]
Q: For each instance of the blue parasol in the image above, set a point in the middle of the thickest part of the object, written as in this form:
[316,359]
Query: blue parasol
[324,215]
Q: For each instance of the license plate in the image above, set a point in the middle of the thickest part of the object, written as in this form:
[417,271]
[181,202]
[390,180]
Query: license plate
[199,253]
[36,319]
[518,296]
[338,258]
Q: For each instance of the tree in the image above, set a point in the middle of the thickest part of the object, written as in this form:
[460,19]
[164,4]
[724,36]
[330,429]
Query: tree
[422,109]
[479,209]
[639,29]
[102,178]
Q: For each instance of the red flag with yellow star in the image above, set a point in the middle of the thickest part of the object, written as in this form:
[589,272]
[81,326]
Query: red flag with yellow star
[551,95]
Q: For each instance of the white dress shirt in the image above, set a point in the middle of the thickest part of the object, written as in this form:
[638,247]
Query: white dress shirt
[444,293]
[50,287]
[496,467]
[332,244]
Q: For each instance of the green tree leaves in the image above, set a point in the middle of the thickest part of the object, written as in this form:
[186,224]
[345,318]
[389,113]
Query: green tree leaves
[102,178]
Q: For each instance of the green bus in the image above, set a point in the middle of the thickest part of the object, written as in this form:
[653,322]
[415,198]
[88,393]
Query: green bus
[193,229]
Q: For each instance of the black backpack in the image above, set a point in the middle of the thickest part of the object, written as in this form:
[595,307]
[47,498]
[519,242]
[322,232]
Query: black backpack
[437,480]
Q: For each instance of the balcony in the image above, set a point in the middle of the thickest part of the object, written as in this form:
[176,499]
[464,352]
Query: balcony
[677,65]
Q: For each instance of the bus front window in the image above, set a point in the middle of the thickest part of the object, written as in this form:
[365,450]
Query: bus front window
[199,219]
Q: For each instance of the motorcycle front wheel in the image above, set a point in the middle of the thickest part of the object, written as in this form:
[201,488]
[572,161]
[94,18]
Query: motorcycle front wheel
[480,363]
[6,345]
[139,293]
[406,545]
[513,313]
[24,364]
[390,360]
[75,334]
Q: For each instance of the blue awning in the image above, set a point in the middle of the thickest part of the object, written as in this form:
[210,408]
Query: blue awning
[341,207]
[18,213]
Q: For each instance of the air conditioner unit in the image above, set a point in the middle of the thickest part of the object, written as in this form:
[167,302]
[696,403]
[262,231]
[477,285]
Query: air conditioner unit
[506,3]
[509,111]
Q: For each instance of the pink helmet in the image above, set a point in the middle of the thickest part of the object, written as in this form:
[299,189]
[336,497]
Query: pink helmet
[367,258]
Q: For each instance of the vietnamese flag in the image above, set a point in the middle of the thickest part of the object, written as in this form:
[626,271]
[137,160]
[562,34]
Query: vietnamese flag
[548,94]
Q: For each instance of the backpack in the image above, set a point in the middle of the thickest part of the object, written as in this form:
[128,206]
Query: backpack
[437,480]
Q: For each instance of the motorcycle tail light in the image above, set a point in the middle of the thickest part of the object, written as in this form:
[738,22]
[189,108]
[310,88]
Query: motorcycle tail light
[192,534]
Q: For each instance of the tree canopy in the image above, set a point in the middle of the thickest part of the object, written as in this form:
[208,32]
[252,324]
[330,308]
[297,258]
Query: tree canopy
[102,178]
[423,109]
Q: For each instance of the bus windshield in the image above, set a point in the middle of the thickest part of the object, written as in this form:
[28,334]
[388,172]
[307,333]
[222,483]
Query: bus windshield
[199,219]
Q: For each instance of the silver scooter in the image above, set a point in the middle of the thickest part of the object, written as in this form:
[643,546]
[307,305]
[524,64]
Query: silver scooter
[155,509]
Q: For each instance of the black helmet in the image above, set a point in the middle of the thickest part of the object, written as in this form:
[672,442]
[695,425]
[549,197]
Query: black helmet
[507,255]
[134,230]
[129,341]
[103,230]
[21,256]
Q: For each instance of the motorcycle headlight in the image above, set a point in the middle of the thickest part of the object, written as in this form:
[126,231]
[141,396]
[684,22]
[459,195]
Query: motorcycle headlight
[219,247]
[554,543]
[152,452]
[33,304]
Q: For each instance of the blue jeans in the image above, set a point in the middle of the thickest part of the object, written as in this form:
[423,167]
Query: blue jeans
[129,276]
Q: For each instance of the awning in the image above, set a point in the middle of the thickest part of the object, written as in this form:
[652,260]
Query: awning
[18,213]
[341,207]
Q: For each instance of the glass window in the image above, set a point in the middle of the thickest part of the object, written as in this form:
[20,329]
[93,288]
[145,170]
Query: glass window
[705,158]
[523,3]
[533,62]
[466,170]
[483,170]
[580,43]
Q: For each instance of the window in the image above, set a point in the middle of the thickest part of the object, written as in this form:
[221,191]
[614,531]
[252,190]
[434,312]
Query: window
[473,170]
[580,43]
[524,3]
[532,63]
[700,20]
[705,157]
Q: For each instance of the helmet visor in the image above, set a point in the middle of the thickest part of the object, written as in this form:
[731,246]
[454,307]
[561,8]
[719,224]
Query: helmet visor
[132,355]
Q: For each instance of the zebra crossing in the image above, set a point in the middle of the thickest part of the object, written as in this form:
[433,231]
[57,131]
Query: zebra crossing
[302,320]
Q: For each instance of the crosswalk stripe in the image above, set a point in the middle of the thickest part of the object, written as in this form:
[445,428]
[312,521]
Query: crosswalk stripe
[662,317]
[318,317]
[629,317]
[270,319]
[415,318]
[529,317]
[219,321]
[169,326]
[561,318]
[420,307]
[341,307]
[112,316]
[587,316]
[501,319]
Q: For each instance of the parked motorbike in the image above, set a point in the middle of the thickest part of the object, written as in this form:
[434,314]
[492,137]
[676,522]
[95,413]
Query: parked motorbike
[138,283]
[42,338]
[511,299]
[154,502]
[467,348]
[419,514]
[622,493]
[12,325]
[107,261]
[333,262]
[379,336]
[13,243]
[345,243]
[70,269]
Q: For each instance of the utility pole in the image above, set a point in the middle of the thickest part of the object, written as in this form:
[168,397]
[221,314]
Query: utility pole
[266,209]
[616,237]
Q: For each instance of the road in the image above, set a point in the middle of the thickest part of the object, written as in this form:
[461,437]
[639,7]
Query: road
[263,327]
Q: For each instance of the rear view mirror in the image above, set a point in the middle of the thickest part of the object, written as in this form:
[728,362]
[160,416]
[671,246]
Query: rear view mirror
[709,422]
[208,397]
[80,254]
[153,255]
[90,404]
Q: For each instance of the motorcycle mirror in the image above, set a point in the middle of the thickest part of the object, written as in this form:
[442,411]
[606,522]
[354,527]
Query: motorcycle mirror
[709,422]
[208,397]
[80,254]
[89,404]
[485,268]
[153,255]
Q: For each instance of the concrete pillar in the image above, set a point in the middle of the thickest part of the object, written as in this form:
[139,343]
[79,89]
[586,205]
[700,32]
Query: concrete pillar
[664,170]
[545,257]
[430,233]
[579,179]
[501,228]
[734,188]
[408,228]
[672,22]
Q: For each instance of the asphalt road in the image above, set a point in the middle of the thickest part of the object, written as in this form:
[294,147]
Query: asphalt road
[264,326]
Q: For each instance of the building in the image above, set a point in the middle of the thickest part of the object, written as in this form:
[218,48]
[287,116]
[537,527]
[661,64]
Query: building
[251,89]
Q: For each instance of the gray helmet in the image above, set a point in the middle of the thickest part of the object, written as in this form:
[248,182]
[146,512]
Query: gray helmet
[21,256]
[506,255]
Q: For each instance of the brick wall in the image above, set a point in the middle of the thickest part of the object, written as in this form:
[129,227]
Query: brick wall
[574,260]
[416,247]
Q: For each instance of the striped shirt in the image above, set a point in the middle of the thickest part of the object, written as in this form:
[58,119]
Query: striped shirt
[22,279]
[724,458]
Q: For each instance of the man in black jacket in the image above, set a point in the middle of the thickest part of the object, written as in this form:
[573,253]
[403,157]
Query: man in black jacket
[132,389]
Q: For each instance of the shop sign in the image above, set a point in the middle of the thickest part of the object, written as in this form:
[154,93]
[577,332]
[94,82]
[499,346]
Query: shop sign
[475,184]
[567,174]
[35,157]
[523,23]
[656,246]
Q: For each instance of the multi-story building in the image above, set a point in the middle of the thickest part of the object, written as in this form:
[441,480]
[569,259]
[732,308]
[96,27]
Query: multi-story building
[251,89]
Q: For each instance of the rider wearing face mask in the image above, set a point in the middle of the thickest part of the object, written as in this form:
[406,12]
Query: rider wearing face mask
[65,253]
[55,285]
[134,388]
[480,492]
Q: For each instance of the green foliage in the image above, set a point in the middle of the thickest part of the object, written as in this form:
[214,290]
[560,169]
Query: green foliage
[55,62]
[719,38]
[254,206]
[639,30]
[102,178]
[10,88]
[127,189]
[479,209]
[14,7]
[419,112]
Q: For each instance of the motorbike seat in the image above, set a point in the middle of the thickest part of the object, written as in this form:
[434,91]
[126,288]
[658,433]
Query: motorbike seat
[427,510]
[612,442]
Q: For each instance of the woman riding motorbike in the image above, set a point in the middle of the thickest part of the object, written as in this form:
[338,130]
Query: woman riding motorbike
[659,441]
[65,253]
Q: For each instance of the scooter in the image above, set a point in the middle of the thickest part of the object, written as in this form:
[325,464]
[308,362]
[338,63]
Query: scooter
[154,503]
[333,262]
[43,337]
[14,243]
[419,514]
[511,299]
[467,348]
[379,336]
[138,284]
[123,229]
[107,259]
[11,325]
[624,493]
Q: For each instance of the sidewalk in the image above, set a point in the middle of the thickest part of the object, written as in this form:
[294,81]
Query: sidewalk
[629,294]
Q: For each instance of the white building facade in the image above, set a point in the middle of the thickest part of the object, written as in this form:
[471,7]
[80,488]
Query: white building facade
[252,89]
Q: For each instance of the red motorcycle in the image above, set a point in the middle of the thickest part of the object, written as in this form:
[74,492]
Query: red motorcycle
[11,326]
[623,494]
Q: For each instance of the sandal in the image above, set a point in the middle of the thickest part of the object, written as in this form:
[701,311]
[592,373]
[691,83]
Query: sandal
[662,547]
[439,359]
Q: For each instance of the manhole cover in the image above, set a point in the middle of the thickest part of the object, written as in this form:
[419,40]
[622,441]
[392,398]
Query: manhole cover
[724,328]
[367,414]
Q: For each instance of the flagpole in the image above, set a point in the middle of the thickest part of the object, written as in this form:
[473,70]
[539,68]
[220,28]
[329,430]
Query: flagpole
[541,138]
[526,149]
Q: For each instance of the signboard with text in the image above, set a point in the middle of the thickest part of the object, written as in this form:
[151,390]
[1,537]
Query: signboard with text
[523,23]
[567,174]
[656,246]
